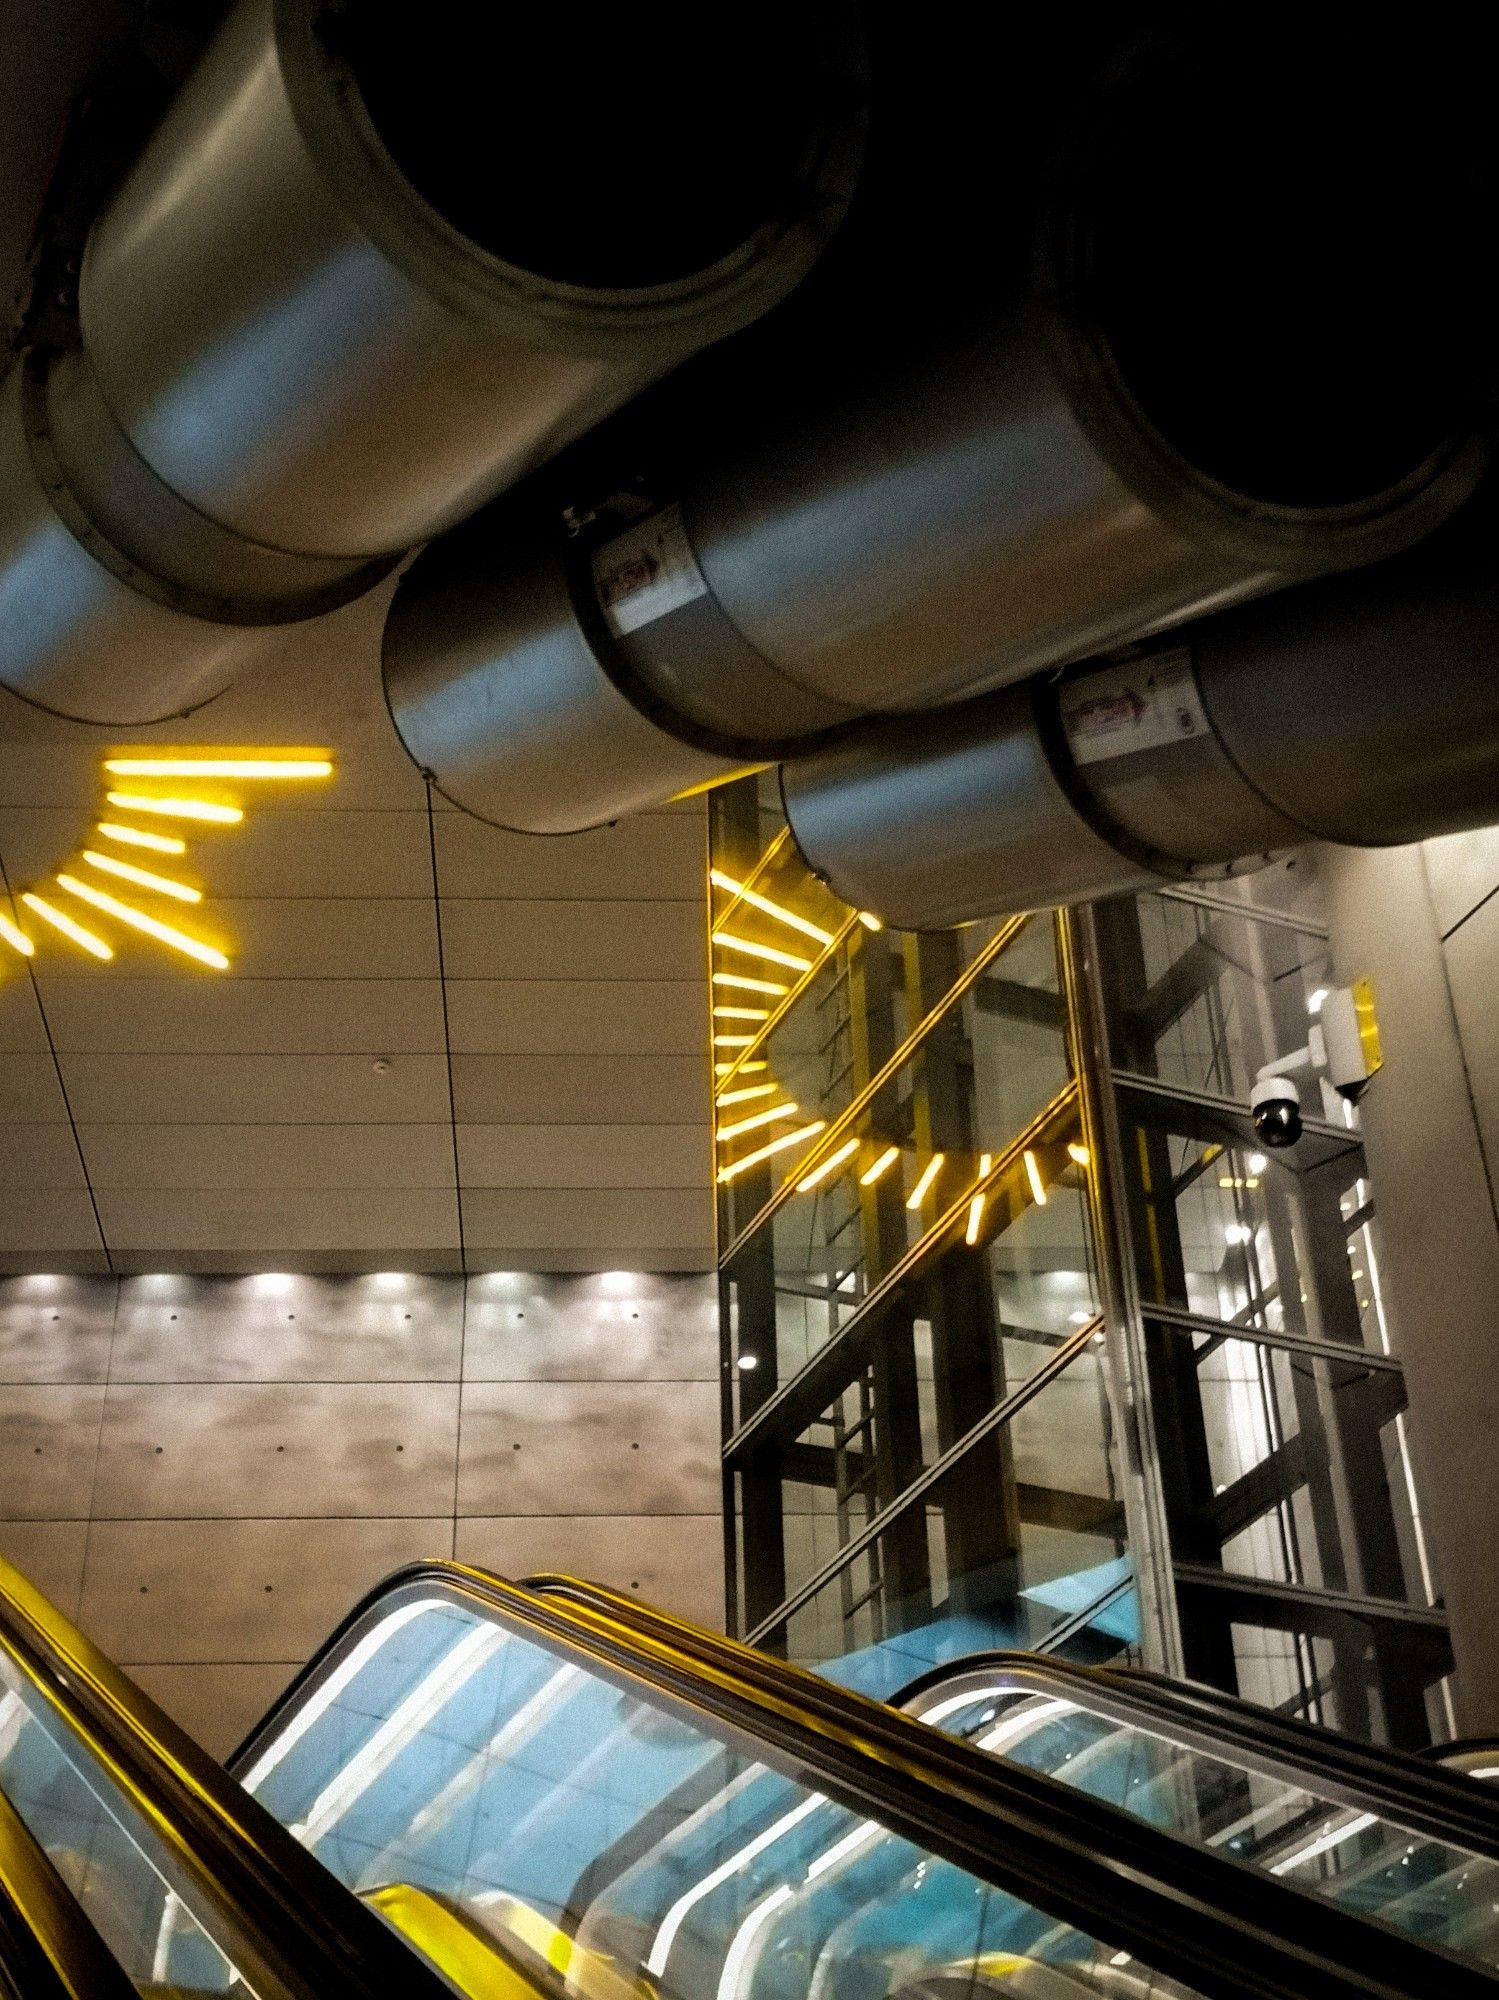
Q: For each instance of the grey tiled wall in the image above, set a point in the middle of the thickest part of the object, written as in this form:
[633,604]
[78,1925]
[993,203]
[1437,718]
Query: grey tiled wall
[206,1472]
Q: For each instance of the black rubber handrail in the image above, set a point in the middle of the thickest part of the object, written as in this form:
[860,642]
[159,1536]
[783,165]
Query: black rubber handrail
[278,1915]
[1222,1929]
[1418,1796]
[48,1948]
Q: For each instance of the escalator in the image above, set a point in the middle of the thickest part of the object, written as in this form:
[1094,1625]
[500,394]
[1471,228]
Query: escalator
[548,1789]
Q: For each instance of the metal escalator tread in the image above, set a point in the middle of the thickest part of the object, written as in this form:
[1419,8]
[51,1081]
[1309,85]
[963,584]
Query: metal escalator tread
[1192,1915]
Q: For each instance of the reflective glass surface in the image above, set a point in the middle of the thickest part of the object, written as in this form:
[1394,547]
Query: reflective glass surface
[106,1849]
[605,1844]
[1439,1893]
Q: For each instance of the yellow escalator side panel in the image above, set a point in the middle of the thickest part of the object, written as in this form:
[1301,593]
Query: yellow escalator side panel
[459,1949]
[585,1973]
[514,1953]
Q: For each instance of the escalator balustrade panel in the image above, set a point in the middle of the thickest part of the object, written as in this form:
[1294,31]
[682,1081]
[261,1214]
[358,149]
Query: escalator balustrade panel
[586,1827]
[1433,1873]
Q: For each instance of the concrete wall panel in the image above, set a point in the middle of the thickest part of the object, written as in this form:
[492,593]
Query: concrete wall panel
[249,1449]
[608,1447]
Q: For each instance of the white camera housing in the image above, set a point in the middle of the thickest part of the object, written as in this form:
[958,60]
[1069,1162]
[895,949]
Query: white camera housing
[1275,1111]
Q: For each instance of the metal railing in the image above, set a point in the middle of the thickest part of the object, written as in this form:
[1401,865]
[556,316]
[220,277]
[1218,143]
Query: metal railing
[1193,1915]
[283,1922]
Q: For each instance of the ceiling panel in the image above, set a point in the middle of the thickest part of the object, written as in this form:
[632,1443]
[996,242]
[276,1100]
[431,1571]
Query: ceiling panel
[656,855]
[575,1017]
[186,1157]
[580,1090]
[39,1156]
[21,1026]
[603,1220]
[30,1093]
[297,1111]
[573,940]
[255,1089]
[51,1222]
[584,1156]
[365,1223]
[235,1016]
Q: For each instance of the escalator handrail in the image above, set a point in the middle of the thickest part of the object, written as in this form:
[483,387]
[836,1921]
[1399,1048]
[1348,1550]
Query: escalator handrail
[1196,1916]
[1418,1796]
[288,1925]
[48,1948]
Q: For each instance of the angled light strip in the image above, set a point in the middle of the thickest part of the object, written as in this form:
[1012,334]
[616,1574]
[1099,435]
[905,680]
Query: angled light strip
[16,938]
[898,1057]
[775,1146]
[143,878]
[739,1959]
[219,767]
[976,1206]
[929,1173]
[137,836]
[777,910]
[881,1166]
[405,1722]
[829,1165]
[745,984]
[750,1090]
[327,1692]
[1017,1724]
[514,1730]
[1078,1153]
[737,1068]
[870,921]
[770,1116]
[765,951]
[61,922]
[1033,1175]
[804,981]
[732,1041]
[152,927]
[1333,1837]
[204,809]
[671,1923]
[741,1013]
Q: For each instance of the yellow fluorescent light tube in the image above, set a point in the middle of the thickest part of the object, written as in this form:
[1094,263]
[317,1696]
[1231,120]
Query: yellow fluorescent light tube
[775,1146]
[143,878]
[756,1119]
[881,1166]
[777,910]
[152,927]
[271,766]
[825,1167]
[742,983]
[929,1173]
[765,951]
[139,836]
[204,809]
[60,921]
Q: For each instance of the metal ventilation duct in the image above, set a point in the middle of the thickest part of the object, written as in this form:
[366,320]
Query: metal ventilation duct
[376,264]
[1193,395]
[1360,709]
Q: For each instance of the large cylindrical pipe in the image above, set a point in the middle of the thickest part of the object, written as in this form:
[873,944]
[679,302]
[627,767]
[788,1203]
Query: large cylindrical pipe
[1064,462]
[1359,709]
[370,270]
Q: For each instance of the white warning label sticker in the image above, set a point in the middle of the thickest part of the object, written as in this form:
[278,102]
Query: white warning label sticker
[1140,706]
[646,572]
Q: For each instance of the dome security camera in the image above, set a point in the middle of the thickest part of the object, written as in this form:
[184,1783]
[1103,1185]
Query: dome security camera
[1275,1111]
